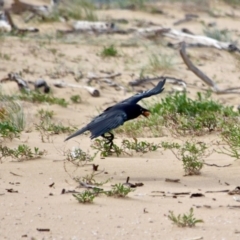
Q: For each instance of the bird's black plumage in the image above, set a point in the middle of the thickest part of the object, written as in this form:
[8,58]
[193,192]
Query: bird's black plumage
[116,115]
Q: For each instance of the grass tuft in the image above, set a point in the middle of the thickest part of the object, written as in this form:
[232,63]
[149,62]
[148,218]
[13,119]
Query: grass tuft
[185,220]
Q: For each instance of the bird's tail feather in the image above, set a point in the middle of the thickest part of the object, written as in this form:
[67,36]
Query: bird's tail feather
[76,133]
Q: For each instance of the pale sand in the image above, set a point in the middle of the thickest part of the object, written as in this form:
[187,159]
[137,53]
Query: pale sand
[112,218]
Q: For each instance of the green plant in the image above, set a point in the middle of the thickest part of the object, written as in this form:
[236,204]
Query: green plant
[109,51]
[119,190]
[160,62]
[220,35]
[8,130]
[85,197]
[186,116]
[143,127]
[12,118]
[231,136]
[78,157]
[104,148]
[137,4]
[48,127]
[21,153]
[232,2]
[5,56]
[75,9]
[76,99]
[190,153]
[139,146]
[45,114]
[36,96]
[185,220]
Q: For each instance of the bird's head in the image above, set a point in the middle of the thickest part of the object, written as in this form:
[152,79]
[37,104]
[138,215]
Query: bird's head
[145,112]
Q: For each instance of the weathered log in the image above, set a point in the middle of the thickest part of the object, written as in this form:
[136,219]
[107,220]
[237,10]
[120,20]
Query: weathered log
[61,84]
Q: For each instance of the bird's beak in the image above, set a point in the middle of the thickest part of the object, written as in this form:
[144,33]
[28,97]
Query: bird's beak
[146,113]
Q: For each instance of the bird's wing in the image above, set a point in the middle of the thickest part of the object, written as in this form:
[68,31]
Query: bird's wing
[110,121]
[148,93]
[103,123]
[82,130]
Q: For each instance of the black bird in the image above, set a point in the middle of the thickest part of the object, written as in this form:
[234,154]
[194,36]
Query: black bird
[116,115]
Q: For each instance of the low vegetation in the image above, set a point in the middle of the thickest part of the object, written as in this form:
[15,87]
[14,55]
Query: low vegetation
[117,190]
[161,62]
[127,147]
[78,157]
[109,51]
[185,220]
[20,153]
[191,153]
[12,118]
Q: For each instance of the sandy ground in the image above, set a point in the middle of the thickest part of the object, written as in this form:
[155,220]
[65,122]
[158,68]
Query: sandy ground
[143,215]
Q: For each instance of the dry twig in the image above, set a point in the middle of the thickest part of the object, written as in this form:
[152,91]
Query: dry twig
[202,76]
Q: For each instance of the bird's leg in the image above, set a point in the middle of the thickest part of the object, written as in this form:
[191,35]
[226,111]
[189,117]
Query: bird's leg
[109,138]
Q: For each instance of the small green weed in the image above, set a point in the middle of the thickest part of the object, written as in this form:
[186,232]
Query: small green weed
[104,148]
[5,56]
[153,126]
[8,130]
[231,136]
[45,114]
[139,146]
[12,118]
[119,190]
[160,62]
[109,51]
[48,127]
[185,220]
[232,2]
[78,157]
[21,153]
[76,99]
[75,9]
[190,153]
[220,35]
[85,197]
[35,96]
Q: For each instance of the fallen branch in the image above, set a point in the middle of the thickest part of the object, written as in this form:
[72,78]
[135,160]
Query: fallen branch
[195,70]
[218,191]
[215,165]
[171,80]
[12,27]
[92,76]
[202,76]
[188,18]
[61,84]
[22,84]
[107,79]
[185,37]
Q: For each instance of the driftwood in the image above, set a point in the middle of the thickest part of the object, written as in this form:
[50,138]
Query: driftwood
[61,84]
[79,27]
[93,76]
[23,84]
[187,38]
[7,24]
[188,18]
[42,11]
[171,80]
[92,26]
[108,78]
[203,76]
